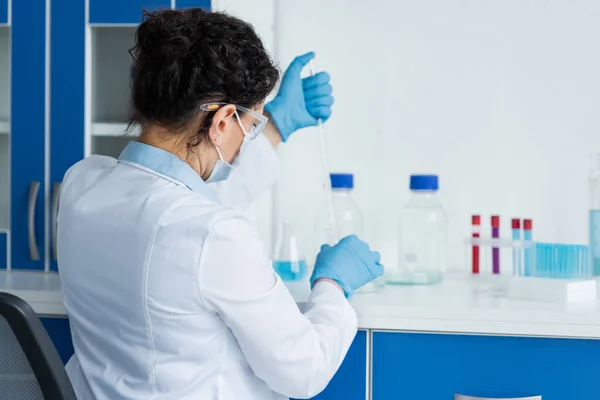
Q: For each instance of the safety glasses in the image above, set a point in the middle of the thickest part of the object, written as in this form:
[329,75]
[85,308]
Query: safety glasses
[258,126]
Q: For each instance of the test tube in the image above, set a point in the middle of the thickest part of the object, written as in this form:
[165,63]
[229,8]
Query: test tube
[516,236]
[495,249]
[528,237]
[475,230]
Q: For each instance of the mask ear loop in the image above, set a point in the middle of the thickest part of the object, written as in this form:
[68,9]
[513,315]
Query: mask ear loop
[241,126]
[243,130]
[219,153]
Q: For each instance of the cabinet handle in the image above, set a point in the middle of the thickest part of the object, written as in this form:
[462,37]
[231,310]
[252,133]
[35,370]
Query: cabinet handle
[34,188]
[462,397]
[55,197]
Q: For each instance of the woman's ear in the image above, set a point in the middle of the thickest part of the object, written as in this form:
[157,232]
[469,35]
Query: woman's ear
[220,130]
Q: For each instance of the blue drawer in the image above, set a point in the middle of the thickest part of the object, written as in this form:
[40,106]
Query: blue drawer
[435,367]
[350,382]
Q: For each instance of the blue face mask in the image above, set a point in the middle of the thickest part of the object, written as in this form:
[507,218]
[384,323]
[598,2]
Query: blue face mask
[222,168]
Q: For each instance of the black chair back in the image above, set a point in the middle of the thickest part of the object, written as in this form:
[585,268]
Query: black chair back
[30,368]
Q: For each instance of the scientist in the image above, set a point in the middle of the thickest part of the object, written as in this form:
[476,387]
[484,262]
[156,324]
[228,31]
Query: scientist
[169,290]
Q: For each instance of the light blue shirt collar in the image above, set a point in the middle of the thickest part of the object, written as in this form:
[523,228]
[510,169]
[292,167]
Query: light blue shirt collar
[167,164]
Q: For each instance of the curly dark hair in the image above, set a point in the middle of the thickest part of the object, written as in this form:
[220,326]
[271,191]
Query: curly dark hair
[184,58]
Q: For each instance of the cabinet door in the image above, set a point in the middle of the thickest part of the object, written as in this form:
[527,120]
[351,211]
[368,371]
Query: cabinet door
[60,333]
[432,367]
[67,99]
[4,11]
[4,249]
[5,199]
[122,11]
[180,4]
[350,382]
[28,156]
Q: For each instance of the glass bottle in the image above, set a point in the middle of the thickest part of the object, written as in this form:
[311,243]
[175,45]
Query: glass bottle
[348,217]
[423,235]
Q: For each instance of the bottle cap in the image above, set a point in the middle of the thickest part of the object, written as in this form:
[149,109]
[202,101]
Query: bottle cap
[475,220]
[424,182]
[527,224]
[342,181]
[516,223]
[495,221]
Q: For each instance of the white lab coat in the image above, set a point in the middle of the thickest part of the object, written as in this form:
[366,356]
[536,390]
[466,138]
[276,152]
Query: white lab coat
[170,292]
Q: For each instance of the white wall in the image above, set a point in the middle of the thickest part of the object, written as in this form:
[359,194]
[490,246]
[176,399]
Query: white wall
[500,98]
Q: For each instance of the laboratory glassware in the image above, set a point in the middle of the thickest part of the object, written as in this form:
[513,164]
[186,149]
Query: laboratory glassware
[475,233]
[495,220]
[423,235]
[332,238]
[486,245]
[562,261]
[516,236]
[527,237]
[289,261]
[331,231]
[348,217]
[544,260]
[594,214]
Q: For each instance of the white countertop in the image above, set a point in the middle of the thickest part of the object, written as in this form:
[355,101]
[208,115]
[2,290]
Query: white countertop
[40,289]
[458,305]
[470,305]
[474,305]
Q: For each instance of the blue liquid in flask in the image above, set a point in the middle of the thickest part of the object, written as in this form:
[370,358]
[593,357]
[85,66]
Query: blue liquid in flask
[595,241]
[290,270]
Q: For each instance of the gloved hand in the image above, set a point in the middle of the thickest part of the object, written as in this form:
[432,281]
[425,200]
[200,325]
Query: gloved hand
[350,263]
[301,102]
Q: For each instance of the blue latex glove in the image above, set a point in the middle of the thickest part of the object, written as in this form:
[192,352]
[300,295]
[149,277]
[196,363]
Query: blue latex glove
[301,102]
[350,263]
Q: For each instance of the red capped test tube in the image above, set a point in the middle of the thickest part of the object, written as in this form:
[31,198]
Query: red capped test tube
[528,237]
[475,231]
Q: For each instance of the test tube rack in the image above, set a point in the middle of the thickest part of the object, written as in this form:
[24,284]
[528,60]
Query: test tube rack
[525,258]
[513,254]
[549,272]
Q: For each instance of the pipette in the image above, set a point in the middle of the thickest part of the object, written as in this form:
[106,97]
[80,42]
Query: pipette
[332,232]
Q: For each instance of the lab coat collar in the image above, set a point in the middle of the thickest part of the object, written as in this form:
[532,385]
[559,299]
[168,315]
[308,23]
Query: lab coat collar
[167,164]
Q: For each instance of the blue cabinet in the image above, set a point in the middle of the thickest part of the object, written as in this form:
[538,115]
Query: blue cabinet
[432,367]
[45,131]
[3,249]
[4,11]
[350,382]
[130,11]
[193,3]
[60,333]
[67,99]
[28,134]
[122,11]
